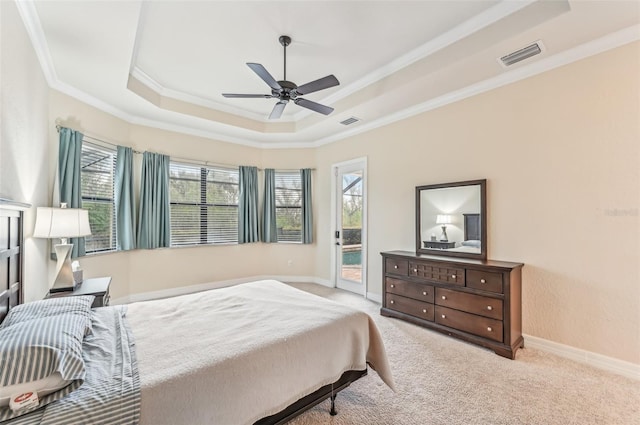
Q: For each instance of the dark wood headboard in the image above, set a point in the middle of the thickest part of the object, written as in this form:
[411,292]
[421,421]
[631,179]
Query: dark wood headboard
[11,254]
[472,230]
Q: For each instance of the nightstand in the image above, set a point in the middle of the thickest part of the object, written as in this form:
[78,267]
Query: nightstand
[439,244]
[97,286]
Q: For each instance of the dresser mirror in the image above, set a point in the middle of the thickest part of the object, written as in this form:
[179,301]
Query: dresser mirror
[451,219]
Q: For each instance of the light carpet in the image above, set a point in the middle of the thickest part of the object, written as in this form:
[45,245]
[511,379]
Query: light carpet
[442,380]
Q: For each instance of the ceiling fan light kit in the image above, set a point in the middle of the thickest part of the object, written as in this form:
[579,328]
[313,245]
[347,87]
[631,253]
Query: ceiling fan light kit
[285,90]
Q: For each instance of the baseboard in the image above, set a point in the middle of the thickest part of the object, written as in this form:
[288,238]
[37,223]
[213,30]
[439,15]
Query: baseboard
[621,367]
[189,289]
[376,298]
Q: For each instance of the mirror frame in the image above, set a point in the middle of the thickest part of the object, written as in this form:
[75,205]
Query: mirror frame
[483,220]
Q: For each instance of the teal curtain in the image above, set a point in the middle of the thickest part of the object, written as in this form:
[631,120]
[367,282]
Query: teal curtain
[153,217]
[123,187]
[307,213]
[269,227]
[248,205]
[69,155]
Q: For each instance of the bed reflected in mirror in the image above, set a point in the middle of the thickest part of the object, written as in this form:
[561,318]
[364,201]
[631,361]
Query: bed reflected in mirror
[451,219]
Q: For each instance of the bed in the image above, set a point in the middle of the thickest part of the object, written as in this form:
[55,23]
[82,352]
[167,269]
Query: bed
[472,235]
[260,352]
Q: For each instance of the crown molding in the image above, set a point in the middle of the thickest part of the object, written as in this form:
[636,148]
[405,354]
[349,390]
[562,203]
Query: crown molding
[467,28]
[33,27]
[592,48]
[152,84]
[31,20]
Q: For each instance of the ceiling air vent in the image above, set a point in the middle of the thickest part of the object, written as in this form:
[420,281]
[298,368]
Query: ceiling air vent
[522,54]
[349,121]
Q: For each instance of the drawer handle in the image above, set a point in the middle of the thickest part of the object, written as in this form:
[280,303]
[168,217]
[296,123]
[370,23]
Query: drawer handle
[489,308]
[424,292]
[489,328]
[393,286]
[483,281]
[444,298]
[415,270]
[391,302]
[453,276]
[444,317]
[424,310]
[395,267]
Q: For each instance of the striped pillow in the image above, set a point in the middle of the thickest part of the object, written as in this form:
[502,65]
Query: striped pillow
[38,348]
[51,307]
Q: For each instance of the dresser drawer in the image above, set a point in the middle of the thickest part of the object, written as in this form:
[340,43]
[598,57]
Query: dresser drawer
[476,304]
[487,281]
[394,266]
[413,290]
[410,306]
[477,325]
[437,273]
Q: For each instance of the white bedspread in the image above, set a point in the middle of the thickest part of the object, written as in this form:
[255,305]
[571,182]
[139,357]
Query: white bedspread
[234,355]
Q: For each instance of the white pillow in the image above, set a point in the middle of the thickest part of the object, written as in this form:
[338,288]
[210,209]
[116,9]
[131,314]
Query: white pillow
[33,350]
[43,387]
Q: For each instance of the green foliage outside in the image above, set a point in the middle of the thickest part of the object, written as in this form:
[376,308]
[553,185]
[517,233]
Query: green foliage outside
[100,220]
[213,219]
[352,202]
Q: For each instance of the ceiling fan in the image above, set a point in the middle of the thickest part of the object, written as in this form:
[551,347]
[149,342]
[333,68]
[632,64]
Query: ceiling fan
[285,90]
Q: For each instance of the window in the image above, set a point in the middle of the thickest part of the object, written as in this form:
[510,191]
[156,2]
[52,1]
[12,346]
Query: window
[289,206]
[204,204]
[97,170]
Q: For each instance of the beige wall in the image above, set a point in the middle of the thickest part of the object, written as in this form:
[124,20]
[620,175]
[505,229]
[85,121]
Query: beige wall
[560,152]
[24,157]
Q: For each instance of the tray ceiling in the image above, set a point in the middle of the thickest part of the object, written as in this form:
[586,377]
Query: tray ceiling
[166,64]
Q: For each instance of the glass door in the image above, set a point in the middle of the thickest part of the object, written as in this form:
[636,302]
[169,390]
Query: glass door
[350,232]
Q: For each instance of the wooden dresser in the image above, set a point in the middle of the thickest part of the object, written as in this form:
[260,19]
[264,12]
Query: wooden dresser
[478,301]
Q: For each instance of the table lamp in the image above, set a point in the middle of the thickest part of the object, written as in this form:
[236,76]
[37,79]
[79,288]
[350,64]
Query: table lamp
[443,219]
[62,223]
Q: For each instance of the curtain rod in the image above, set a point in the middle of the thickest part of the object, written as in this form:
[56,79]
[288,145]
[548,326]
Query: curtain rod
[191,161]
[95,139]
[201,162]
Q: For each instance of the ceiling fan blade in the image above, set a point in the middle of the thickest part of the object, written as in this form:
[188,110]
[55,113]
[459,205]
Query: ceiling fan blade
[264,74]
[321,84]
[248,96]
[277,110]
[326,110]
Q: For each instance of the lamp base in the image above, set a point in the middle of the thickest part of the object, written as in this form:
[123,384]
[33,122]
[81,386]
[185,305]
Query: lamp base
[443,236]
[64,281]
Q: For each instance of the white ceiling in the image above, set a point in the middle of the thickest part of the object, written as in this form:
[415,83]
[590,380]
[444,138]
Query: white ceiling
[166,63]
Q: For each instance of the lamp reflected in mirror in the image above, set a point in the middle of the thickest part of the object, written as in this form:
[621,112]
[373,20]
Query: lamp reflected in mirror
[443,219]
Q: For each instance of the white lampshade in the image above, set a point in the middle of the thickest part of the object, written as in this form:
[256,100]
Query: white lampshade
[443,219]
[61,223]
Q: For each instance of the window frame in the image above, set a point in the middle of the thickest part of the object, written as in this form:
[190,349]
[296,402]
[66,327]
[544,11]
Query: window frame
[202,203]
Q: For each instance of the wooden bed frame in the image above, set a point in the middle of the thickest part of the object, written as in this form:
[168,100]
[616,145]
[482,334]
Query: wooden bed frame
[472,229]
[11,254]
[11,294]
